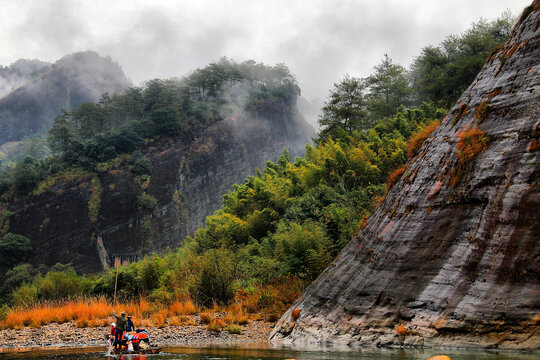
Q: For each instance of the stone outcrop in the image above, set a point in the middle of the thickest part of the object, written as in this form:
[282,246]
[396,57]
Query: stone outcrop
[91,219]
[449,258]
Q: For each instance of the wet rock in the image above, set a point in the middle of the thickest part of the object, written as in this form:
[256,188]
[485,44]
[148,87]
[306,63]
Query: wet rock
[467,268]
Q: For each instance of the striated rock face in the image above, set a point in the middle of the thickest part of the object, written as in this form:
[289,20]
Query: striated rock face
[37,91]
[443,265]
[89,219]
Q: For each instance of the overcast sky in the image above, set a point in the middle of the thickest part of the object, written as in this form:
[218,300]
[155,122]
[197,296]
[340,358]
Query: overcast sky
[320,41]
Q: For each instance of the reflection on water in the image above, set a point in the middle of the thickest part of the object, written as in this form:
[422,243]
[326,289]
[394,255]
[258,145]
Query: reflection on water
[262,353]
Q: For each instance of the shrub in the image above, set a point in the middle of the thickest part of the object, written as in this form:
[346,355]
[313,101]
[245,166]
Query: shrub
[146,202]
[394,176]
[205,318]
[401,330]
[25,176]
[140,165]
[295,314]
[217,274]
[481,111]
[14,248]
[216,325]
[25,295]
[5,182]
[420,137]
[302,248]
[234,329]
[472,142]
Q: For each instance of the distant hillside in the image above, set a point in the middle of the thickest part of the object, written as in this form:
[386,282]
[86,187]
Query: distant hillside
[137,172]
[34,92]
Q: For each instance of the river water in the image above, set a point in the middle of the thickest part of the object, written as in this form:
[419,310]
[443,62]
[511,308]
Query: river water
[262,353]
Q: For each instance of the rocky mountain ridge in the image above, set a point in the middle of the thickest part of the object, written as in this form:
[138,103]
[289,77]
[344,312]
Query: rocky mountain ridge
[451,257]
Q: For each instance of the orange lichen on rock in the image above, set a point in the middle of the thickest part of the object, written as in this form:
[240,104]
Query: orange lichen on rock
[472,142]
[295,314]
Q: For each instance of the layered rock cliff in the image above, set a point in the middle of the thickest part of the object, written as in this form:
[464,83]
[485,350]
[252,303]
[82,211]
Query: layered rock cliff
[452,255]
[90,219]
[37,91]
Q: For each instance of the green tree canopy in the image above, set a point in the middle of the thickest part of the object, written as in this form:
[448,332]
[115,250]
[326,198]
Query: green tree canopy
[388,88]
[441,73]
[345,109]
[14,249]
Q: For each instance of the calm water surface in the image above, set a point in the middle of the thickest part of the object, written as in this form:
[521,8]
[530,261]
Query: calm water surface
[263,353]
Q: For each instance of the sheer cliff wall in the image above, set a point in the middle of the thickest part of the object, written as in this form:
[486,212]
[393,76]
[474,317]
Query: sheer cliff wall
[452,255]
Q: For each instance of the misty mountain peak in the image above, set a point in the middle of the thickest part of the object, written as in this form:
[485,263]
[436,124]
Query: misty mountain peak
[35,91]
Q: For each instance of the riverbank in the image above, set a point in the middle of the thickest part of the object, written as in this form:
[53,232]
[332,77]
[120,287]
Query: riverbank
[68,335]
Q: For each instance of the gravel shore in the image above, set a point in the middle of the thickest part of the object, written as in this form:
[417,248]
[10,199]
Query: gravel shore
[68,335]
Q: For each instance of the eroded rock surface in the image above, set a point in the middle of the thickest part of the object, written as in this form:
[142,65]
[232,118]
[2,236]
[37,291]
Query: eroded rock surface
[439,265]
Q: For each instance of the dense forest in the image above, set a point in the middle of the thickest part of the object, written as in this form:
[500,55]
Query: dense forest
[284,224]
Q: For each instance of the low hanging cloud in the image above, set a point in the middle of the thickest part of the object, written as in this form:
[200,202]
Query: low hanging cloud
[319,40]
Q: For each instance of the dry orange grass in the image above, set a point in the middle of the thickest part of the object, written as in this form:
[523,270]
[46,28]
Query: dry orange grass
[216,325]
[236,315]
[268,302]
[90,312]
[159,318]
[182,308]
[206,318]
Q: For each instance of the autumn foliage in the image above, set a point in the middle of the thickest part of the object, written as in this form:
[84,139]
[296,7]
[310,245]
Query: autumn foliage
[417,140]
[401,330]
[472,142]
[394,176]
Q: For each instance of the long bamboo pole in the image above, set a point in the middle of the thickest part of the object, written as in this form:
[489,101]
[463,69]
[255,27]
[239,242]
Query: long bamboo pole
[117,263]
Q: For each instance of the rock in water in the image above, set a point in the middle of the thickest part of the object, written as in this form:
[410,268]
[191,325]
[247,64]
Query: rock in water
[451,257]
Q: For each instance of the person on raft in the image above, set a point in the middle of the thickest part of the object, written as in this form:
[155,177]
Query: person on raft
[129,325]
[121,325]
